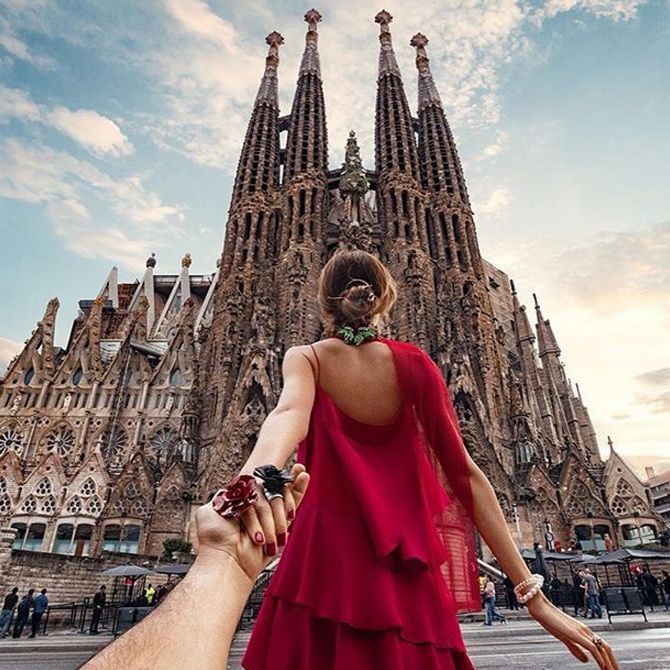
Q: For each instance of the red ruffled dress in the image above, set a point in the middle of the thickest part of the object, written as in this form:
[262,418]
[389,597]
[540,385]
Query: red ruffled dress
[381,553]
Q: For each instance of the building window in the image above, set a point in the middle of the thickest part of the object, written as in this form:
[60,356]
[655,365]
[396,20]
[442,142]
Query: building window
[34,537]
[77,376]
[20,537]
[61,441]
[123,540]
[28,377]
[11,438]
[63,541]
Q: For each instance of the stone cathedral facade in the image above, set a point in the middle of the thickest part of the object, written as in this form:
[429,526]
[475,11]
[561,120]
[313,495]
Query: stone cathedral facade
[111,443]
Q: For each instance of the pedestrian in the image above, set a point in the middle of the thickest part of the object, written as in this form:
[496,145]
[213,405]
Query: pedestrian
[7,609]
[492,612]
[577,591]
[150,592]
[609,544]
[481,580]
[649,584]
[665,588]
[22,612]
[99,600]
[39,608]
[593,595]
[512,602]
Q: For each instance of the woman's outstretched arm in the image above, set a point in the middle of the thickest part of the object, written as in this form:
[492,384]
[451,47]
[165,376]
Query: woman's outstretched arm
[195,624]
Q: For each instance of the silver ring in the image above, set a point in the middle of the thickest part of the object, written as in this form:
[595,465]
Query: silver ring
[597,640]
[271,496]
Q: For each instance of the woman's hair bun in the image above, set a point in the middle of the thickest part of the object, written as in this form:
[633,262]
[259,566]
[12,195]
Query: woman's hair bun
[358,301]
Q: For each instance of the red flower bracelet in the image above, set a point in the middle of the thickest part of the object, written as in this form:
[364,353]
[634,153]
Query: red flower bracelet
[236,497]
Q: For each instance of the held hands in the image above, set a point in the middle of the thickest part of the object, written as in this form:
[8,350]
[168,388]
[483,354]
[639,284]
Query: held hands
[576,636]
[263,528]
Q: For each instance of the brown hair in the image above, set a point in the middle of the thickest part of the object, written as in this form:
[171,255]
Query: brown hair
[355,289]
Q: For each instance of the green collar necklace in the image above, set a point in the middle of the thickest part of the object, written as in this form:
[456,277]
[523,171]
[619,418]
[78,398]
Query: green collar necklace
[356,336]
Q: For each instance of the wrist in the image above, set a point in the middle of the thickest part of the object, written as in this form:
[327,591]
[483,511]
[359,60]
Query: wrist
[220,564]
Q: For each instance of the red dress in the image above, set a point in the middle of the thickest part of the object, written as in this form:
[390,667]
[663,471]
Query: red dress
[380,555]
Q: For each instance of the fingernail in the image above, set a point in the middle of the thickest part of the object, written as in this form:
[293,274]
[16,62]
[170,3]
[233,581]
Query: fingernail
[290,514]
[271,548]
[281,539]
[259,537]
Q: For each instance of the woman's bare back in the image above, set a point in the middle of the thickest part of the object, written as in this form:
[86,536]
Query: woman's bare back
[360,380]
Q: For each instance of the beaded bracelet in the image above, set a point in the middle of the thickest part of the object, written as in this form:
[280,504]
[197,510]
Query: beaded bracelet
[535,582]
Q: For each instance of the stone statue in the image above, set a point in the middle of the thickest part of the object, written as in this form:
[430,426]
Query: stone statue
[353,183]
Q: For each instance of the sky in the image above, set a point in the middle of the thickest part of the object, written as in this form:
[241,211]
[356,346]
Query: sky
[121,123]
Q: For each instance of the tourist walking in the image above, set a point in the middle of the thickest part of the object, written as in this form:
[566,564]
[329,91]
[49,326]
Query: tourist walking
[150,592]
[22,613]
[375,427]
[7,610]
[592,594]
[99,600]
[665,588]
[40,605]
[492,612]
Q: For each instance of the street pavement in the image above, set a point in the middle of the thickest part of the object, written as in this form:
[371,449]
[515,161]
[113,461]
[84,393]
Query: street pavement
[521,644]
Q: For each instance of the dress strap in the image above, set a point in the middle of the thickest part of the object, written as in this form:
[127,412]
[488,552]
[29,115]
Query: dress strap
[318,366]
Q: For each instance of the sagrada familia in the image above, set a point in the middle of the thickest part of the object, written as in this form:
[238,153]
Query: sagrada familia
[111,443]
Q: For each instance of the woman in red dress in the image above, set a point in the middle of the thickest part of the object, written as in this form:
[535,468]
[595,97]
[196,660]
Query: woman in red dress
[379,556]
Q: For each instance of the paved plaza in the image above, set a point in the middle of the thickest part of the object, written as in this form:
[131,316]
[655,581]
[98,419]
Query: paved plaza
[519,645]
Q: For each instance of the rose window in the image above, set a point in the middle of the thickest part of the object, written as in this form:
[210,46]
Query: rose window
[114,443]
[11,438]
[138,508]
[164,441]
[61,441]
[132,489]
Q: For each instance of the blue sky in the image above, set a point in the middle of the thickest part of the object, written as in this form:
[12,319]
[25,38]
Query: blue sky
[120,126]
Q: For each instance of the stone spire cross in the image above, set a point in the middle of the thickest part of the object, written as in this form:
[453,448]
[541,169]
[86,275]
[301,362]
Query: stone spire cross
[268,90]
[310,58]
[428,94]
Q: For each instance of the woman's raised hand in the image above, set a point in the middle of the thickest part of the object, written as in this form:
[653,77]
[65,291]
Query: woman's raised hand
[576,636]
[263,528]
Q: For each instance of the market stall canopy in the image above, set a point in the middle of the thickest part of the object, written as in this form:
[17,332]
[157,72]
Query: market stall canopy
[624,555]
[127,571]
[173,568]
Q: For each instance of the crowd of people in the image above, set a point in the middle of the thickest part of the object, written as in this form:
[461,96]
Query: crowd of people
[22,607]
[586,593]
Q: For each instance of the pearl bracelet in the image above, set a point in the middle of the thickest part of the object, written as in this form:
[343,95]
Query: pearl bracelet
[535,582]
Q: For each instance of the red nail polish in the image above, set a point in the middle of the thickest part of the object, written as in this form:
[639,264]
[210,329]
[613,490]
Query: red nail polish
[290,514]
[259,537]
[281,539]
[271,548]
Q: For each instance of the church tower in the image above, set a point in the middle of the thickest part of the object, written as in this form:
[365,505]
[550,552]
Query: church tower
[304,200]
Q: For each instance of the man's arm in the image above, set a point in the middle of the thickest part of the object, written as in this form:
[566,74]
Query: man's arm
[193,627]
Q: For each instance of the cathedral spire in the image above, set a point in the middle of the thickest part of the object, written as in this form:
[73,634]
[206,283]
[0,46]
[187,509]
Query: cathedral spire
[394,133]
[547,343]
[310,57]
[441,169]
[258,167]
[267,91]
[306,146]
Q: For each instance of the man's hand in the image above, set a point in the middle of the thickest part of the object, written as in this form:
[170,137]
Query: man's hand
[227,535]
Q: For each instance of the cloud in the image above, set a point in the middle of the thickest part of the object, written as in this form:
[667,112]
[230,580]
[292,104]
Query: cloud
[8,349]
[615,10]
[499,199]
[36,174]
[196,17]
[618,270]
[92,130]
[655,377]
[17,48]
